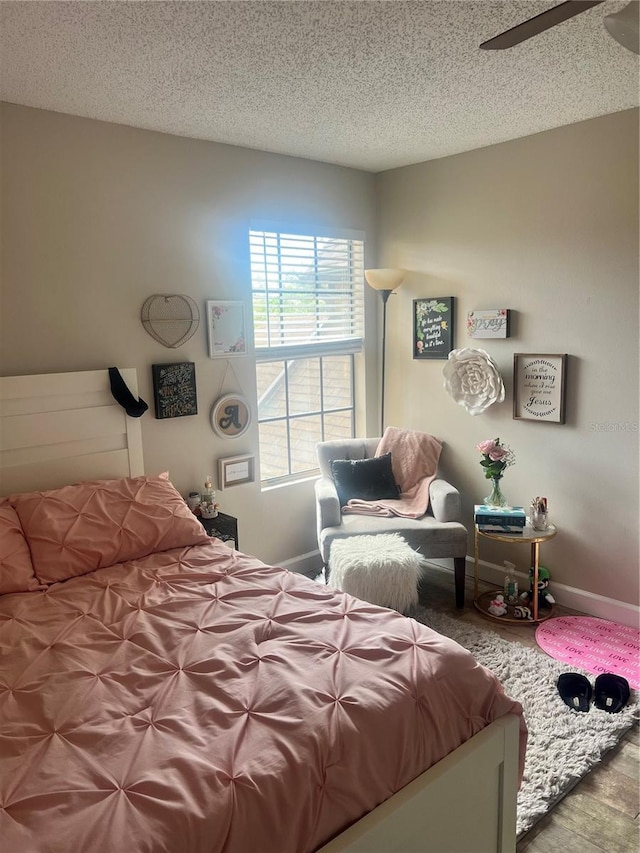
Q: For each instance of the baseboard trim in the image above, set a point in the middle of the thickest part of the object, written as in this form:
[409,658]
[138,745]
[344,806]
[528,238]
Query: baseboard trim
[581,600]
[589,603]
[309,564]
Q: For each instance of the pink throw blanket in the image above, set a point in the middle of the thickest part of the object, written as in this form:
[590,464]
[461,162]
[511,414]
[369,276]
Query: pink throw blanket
[414,460]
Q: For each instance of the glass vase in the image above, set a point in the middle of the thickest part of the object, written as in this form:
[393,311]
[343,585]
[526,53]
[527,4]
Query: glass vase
[496,498]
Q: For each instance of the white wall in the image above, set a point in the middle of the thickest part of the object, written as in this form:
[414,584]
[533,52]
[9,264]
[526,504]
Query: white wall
[97,216]
[546,226]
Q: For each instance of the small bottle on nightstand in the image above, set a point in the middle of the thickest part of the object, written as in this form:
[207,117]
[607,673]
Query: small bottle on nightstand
[208,501]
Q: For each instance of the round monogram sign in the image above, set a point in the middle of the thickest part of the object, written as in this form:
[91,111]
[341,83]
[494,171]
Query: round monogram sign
[230,416]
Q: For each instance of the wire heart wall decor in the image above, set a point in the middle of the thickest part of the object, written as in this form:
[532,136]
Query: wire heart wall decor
[170,318]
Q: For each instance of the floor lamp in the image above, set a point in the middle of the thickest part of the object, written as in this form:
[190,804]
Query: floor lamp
[624,26]
[385,281]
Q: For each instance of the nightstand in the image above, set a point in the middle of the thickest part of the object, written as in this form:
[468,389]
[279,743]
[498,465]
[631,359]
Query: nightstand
[528,536]
[223,527]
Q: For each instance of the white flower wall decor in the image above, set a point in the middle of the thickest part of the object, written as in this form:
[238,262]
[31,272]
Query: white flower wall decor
[472,378]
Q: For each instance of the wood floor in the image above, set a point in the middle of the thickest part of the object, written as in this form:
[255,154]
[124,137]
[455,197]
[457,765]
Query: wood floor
[602,812]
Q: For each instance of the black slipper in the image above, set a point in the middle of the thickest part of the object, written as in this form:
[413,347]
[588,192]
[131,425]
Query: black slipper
[576,690]
[611,692]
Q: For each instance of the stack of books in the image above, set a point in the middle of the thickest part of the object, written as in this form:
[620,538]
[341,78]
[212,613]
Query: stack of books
[494,519]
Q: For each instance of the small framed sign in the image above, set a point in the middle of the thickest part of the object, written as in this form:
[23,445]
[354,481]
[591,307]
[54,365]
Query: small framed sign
[539,387]
[226,328]
[174,389]
[236,470]
[488,324]
[433,327]
[230,416]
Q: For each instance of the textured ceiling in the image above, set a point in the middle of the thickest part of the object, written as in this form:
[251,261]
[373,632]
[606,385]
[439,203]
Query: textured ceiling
[367,84]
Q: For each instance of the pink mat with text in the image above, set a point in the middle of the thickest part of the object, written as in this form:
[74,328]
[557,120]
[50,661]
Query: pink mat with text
[594,645]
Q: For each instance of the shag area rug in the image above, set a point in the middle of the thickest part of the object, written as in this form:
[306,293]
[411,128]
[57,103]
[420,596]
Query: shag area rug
[564,744]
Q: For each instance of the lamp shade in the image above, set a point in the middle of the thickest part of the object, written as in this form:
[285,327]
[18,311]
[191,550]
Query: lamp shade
[624,26]
[384,279]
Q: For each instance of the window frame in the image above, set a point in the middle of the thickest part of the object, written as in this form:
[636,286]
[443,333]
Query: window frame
[287,354]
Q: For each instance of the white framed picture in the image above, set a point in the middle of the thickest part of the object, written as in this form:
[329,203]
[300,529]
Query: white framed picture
[226,329]
[236,470]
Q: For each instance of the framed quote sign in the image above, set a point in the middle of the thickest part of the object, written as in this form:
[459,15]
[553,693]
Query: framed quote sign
[433,327]
[174,389]
[488,324]
[539,387]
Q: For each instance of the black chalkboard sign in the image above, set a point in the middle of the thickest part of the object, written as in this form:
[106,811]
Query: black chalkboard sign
[174,389]
[433,327]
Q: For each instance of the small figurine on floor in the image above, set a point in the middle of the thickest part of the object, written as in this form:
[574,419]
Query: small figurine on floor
[522,612]
[497,607]
[544,596]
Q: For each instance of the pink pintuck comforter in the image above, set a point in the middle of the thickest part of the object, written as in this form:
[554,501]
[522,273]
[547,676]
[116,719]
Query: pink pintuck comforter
[197,700]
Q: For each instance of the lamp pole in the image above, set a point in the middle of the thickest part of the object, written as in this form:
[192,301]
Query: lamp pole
[385,294]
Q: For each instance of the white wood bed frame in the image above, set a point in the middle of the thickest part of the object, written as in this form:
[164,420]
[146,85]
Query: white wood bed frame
[62,428]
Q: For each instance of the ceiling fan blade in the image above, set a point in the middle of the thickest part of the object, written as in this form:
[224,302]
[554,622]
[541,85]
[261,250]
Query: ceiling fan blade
[538,24]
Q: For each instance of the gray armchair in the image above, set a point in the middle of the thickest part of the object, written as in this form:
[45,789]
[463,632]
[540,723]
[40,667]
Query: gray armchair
[436,534]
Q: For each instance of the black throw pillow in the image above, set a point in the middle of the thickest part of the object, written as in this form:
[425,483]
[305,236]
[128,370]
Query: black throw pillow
[365,479]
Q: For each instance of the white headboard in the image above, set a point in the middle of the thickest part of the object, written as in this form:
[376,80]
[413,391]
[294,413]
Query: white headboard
[61,428]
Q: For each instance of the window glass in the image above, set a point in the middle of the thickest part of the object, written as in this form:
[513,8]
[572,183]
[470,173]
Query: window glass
[308,323]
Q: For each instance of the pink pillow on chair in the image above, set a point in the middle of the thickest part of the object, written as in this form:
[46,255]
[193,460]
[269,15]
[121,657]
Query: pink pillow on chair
[87,526]
[16,568]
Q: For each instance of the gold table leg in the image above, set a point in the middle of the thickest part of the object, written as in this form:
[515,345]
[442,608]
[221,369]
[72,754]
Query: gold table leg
[535,555]
[475,563]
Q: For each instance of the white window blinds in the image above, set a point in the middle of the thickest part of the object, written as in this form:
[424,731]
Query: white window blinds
[307,294]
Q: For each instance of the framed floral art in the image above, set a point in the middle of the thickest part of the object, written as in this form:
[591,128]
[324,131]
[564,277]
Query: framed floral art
[226,328]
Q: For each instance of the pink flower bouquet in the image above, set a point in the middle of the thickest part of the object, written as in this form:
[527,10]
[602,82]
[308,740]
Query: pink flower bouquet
[495,457]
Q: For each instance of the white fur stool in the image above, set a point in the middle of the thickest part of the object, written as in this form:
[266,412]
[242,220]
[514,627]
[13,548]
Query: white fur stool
[380,569]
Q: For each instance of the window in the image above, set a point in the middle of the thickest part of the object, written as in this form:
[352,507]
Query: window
[308,324]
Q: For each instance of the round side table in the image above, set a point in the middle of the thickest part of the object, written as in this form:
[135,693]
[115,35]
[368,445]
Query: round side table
[529,536]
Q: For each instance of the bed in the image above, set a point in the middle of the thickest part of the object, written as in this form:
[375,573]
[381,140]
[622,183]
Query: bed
[162,692]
